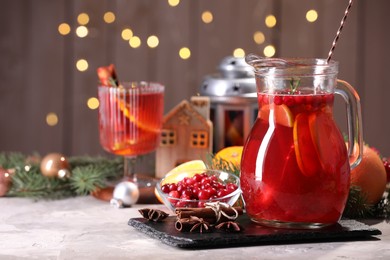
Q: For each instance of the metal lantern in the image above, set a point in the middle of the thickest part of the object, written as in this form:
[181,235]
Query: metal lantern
[233,98]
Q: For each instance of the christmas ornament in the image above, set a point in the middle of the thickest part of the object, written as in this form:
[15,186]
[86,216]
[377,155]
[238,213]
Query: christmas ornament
[5,181]
[125,194]
[55,165]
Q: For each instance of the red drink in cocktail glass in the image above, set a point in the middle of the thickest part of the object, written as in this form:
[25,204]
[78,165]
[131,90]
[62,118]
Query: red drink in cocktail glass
[130,119]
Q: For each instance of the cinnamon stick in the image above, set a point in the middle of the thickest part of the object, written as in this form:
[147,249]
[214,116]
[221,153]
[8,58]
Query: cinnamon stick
[207,214]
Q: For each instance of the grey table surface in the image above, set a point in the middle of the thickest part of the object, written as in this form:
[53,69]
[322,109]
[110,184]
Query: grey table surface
[87,228]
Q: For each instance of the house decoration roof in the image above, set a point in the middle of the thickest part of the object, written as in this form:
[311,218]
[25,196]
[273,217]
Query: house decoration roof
[182,109]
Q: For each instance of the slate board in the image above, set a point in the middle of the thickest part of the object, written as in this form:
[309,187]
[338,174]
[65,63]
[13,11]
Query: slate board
[252,234]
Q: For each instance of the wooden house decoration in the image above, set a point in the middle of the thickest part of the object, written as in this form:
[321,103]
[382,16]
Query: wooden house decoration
[186,135]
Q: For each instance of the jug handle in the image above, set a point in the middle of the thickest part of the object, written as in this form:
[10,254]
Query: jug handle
[354,119]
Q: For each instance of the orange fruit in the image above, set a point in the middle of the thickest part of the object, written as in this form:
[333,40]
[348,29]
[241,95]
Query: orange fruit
[179,172]
[231,154]
[280,113]
[370,175]
[305,150]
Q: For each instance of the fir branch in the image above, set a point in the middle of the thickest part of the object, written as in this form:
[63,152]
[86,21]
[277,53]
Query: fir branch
[12,160]
[85,179]
[213,162]
[357,206]
[33,184]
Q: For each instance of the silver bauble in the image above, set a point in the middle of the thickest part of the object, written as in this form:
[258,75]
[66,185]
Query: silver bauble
[125,194]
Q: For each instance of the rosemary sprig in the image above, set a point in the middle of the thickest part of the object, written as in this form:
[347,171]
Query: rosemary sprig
[294,83]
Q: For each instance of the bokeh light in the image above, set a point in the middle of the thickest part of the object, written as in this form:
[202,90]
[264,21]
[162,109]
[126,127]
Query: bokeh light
[152,41]
[259,37]
[173,2]
[109,17]
[185,53]
[93,103]
[64,29]
[82,31]
[207,17]
[51,119]
[269,51]
[239,53]
[135,42]
[82,65]
[311,16]
[83,19]
[126,34]
[270,21]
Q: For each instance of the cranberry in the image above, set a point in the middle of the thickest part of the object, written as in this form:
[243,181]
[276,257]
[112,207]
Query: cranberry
[187,192]
[222,193]
[205,186]
[185,197]
[213,178]
[278,100]
[288,100]
[199,187]
[212,191]
[231,187]
[205,180]
[174,194]
[165,188]
[197,178]
[195,190]
[189,181]
[217,185]
[201,204]
[172,186]
[386,164]
[181,188]
[203,195]
[181,204]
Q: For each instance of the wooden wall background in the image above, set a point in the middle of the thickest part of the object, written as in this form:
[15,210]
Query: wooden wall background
[38,73]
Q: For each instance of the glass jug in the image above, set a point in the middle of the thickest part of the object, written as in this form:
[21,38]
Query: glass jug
[295,168]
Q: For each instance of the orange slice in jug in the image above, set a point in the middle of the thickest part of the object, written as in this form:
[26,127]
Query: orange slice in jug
[305,149]
[327,140]
[282,114]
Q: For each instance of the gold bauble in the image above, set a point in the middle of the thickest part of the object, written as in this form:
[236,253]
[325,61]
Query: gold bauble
[55,165]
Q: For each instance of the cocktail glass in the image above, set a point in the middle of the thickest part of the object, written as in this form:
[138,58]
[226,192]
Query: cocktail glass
[130,120]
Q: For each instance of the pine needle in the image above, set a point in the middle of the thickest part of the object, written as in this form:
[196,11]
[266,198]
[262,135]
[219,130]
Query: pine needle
[357,206]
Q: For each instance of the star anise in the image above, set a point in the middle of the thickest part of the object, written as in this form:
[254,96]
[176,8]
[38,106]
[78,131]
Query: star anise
[229,226]
[153,214]
[199,224]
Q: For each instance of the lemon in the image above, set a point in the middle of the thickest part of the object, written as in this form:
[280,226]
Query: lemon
[180,172]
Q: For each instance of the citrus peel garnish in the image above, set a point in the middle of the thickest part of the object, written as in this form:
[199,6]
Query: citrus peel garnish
[126,112]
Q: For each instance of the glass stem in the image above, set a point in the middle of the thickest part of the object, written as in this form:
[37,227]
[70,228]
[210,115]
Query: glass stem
[129,168]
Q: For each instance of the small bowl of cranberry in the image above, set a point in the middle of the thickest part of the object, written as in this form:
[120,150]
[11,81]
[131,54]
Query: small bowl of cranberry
[195,188]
